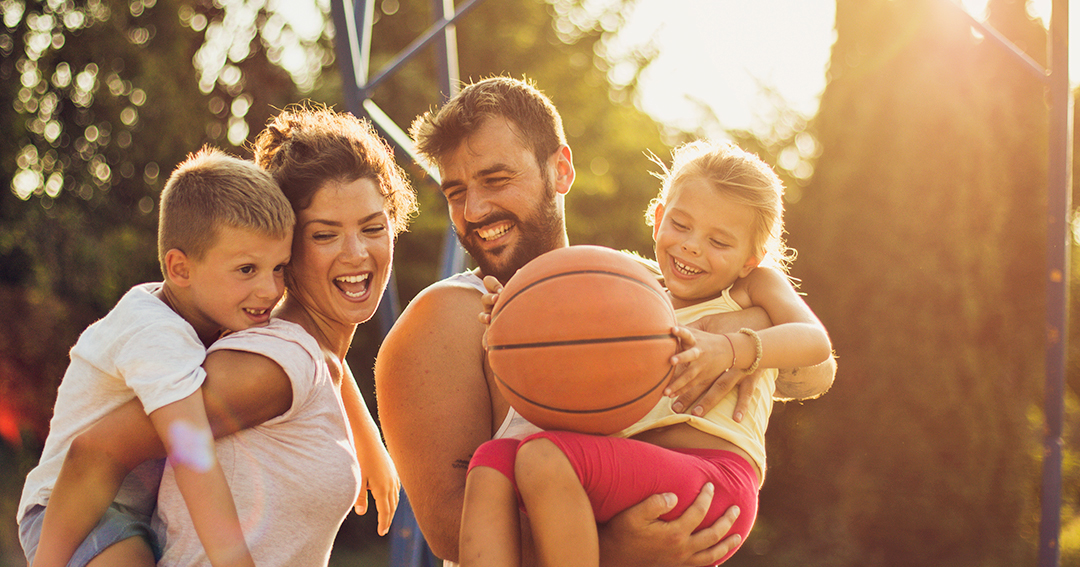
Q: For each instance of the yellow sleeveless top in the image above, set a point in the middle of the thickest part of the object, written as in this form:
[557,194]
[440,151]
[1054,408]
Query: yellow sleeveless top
[749,434]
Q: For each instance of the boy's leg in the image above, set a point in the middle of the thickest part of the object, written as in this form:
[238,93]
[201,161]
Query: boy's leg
[134,551]
[490,531]
[120,538]
[561,515]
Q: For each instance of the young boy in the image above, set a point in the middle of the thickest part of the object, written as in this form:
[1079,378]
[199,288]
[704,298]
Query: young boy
[224,238]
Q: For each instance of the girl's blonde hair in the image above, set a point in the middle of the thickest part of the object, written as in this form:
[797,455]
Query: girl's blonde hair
[740,176]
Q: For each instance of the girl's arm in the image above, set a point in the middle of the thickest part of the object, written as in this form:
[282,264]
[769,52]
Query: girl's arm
[241,390]
[796,339]
[185,431]
[377,471]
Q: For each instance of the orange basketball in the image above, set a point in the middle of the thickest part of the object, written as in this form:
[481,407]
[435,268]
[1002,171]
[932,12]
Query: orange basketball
[580,340]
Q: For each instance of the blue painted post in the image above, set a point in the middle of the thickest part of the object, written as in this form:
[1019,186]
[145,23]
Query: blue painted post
[1057,281]
[1059,207]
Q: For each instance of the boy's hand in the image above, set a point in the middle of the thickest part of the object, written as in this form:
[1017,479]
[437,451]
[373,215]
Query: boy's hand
[379,476]
[706,375]
[488,300]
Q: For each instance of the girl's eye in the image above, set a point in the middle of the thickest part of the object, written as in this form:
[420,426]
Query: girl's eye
[375,229]
[247,270]
[279,268]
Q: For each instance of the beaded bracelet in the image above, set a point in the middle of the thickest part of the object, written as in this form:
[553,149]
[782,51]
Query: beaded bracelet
[757,348]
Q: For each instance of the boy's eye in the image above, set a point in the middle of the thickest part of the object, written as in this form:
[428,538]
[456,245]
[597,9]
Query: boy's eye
[717,243]
[678,225]
[247,270]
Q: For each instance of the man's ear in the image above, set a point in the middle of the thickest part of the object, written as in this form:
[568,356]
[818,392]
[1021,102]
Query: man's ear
[178,267]
[657,218]
[564,170]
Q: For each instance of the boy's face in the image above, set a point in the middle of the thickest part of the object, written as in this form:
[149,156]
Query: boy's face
[239,279]
[703,242]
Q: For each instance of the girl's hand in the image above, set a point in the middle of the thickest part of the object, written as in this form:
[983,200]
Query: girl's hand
[488,300]
[706,375]
[705,356]
[379,476]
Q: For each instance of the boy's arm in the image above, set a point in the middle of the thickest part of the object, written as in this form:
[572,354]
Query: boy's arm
[185,431]
[241,390]
[377,472]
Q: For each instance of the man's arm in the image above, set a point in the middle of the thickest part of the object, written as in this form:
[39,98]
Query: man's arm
[434,405]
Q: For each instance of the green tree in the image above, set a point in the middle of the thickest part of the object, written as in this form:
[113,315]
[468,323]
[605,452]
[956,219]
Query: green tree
[921,239]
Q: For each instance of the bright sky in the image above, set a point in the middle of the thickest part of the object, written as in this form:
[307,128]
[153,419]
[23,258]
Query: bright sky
[721,53]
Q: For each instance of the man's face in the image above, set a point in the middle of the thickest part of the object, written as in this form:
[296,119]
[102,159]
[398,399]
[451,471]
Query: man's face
[506,210]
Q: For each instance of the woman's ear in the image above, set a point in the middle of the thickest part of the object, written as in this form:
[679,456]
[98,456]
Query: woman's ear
[178,267]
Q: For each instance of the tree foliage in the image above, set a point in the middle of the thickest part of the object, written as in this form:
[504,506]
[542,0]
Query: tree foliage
[921,239]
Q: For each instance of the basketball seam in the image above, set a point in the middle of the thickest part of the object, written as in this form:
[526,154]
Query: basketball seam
[588,411]
[576,273]
[574,342]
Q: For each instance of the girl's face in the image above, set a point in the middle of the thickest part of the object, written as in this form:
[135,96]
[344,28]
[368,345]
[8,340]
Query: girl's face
[703,241]
[342,252]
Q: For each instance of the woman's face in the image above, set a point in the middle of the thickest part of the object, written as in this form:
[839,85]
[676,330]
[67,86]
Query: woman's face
[342,252]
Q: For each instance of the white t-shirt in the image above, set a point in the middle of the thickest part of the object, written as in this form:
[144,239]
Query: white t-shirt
[143,349]
[294,478]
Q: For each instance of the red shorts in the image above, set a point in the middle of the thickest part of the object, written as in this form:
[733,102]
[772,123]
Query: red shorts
[619,473]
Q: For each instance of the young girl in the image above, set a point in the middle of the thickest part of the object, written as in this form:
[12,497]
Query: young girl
[717,224]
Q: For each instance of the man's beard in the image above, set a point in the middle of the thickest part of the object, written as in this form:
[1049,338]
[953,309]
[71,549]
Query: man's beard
[541,232]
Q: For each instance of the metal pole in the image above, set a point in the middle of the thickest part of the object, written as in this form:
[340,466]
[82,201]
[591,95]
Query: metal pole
[1059,176]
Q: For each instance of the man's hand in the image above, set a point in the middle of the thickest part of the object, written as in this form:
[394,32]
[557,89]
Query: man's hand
[637,536]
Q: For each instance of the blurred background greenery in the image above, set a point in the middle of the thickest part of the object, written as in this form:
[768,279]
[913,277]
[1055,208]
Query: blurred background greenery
[916,200]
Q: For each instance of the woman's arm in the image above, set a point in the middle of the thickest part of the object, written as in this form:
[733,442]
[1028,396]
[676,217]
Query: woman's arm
[377,471]
[241,390]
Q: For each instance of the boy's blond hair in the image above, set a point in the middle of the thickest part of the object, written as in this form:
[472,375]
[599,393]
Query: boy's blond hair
[742,177]
[211,189]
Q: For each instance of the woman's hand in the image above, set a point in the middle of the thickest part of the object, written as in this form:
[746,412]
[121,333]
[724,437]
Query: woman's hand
[379,476]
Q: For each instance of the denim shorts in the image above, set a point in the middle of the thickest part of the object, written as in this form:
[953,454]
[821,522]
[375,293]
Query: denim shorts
[117,524]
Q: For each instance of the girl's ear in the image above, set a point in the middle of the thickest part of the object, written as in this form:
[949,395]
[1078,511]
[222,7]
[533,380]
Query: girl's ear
[751,263]
[658,217]
[178,267]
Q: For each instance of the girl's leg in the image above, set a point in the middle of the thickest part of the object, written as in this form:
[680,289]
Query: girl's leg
[490,522]
[490,534]
[560,513]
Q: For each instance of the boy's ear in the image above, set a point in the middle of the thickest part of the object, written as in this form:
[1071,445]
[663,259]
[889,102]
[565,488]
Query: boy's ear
[658,216]
[751,263]
[178,267]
